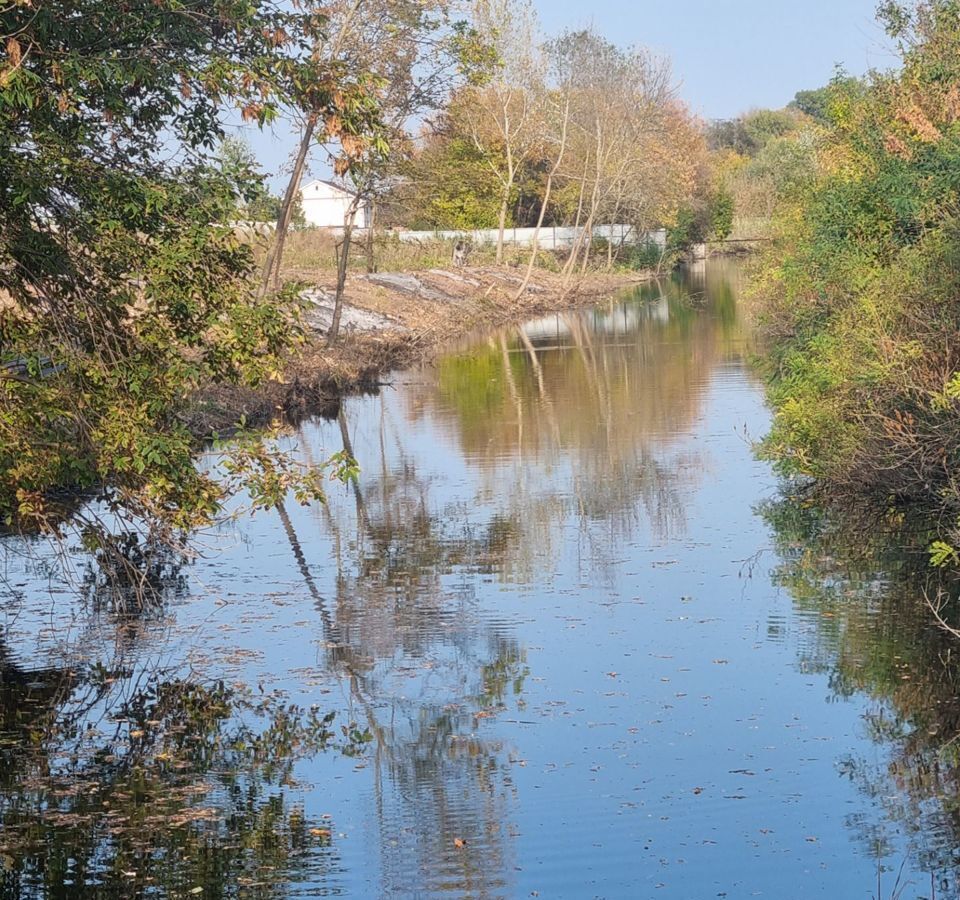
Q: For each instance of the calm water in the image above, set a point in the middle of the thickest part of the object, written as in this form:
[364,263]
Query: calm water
[577,642]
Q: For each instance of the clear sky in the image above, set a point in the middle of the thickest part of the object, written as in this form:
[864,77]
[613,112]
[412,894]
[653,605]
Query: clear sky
[728,56]
[732,55]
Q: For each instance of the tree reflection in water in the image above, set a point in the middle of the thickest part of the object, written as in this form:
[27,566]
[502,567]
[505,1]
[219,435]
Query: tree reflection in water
[859,583]
[575,426]
[127,780]
[570,427]
[422,676]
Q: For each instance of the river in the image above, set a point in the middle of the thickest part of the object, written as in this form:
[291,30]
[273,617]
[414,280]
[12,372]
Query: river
[577,639]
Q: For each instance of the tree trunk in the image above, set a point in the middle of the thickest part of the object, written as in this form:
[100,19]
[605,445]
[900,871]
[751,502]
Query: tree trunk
[502,222]
[587,246]
[371,262]
[343,257]
[271,267]
[575,246]
[543,206]
[535,248]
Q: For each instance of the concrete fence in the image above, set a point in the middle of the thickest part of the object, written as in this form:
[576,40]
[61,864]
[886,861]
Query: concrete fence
[551,238]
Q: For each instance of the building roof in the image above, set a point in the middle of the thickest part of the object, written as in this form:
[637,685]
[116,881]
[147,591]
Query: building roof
[336,187]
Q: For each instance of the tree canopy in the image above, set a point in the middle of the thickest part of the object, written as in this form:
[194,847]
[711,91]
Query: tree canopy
[122,285]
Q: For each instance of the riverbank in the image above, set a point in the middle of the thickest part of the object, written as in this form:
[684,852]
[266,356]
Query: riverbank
[391,321]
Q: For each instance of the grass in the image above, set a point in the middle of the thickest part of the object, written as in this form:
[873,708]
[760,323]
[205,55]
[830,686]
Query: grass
[311,253]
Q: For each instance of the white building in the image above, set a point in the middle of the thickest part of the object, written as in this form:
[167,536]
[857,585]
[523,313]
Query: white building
[325,204]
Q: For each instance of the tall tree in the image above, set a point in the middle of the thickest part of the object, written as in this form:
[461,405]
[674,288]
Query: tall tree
[119,294]
[632,151]
[414,53]
[500,114]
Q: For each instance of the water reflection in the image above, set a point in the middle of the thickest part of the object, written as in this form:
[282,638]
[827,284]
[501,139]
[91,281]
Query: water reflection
[545,619]
[116,784]
[860,582]
[579,415]
[422,673]
[125,776]
[574,419]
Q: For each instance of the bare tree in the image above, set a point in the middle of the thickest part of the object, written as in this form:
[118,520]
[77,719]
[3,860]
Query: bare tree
[411,50]
[501,115]
[556,125]
[619,100]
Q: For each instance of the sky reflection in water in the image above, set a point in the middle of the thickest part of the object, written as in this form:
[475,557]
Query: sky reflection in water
[579,643]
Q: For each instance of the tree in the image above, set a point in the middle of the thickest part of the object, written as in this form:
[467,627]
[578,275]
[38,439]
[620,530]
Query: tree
[239,164]
[323,91]
[124,288]
[555,117]
[765,125]
[633,152]
[415,53]
[860,291]
[447,183]
[500,114]
[818,104]
[383,62]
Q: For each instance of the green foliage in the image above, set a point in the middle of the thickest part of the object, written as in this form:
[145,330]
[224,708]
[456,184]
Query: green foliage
[690,228]
[729,134]
[766,125]
[749,134]
[122,285]
[462,192]
[254,200]
[787,165]
[710,219]
[821,104]
[943,555]
[640,257]
[861,294]
[722,210]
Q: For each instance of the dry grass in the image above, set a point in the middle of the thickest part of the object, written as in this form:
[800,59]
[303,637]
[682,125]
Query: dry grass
[310,254]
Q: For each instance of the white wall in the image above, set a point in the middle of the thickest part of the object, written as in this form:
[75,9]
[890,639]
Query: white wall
[550,238]
[325,206]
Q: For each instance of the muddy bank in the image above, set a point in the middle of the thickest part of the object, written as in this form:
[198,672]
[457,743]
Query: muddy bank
[390,321]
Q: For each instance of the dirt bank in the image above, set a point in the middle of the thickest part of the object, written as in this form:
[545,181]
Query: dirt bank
[392,321]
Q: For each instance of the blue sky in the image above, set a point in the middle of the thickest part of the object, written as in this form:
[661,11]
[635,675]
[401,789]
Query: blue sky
[728,56]
[732,55]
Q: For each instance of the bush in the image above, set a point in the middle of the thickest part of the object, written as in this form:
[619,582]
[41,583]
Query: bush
[646,255]
[861,291]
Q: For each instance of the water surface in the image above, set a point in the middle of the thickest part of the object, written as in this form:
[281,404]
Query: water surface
[577,642]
